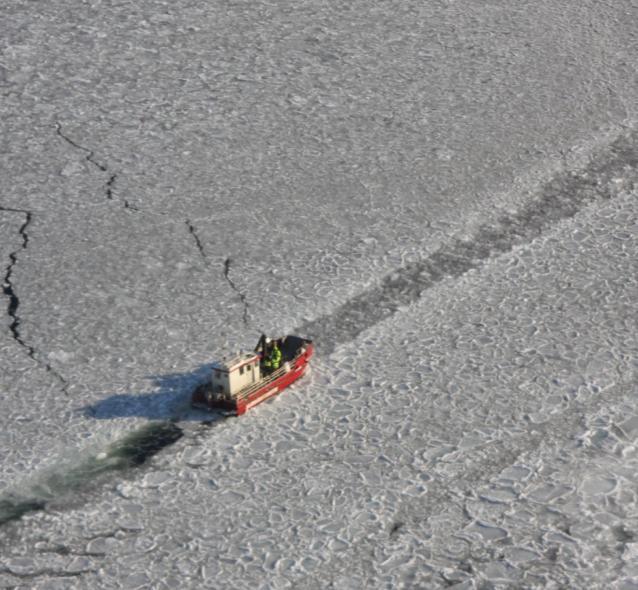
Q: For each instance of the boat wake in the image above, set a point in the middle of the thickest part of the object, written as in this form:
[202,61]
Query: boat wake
[56,487]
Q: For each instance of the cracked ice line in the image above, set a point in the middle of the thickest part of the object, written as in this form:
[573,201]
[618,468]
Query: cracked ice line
[193,232]
[7,287]
[109,187]
[90,157]
[89,152]
[242,296]
[14,301]
[227,263]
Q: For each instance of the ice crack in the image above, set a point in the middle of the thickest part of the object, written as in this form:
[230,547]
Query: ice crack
[90,157]
[109,187]
[198,242]
[241,295]
[13,306]
[227,264]
[7,286]
[90,154]
[127,205]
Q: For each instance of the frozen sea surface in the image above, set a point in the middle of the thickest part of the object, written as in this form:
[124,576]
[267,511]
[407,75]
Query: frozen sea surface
[442,195]
[486,433]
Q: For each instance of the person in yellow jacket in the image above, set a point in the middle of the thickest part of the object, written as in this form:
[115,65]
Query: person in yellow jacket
[273,358]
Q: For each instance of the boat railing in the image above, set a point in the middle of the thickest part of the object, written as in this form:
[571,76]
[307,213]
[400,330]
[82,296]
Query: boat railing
[247,391]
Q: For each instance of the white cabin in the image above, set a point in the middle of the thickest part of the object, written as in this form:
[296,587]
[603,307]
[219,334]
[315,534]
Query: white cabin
[232,375]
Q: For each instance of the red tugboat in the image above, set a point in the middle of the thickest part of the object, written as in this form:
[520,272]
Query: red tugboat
[243,381]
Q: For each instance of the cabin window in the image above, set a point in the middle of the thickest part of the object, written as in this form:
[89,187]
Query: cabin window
[241,370]
[249,367]
[218,374]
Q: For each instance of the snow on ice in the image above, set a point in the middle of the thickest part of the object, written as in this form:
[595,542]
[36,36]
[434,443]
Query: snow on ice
[443,196]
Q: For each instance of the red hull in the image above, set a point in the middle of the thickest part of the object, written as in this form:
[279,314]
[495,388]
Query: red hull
[265,389]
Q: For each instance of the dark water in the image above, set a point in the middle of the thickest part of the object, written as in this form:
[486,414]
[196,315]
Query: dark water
[130,452]
[139,446]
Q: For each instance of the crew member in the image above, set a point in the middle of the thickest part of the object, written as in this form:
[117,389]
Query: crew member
[267,360]
[275,356]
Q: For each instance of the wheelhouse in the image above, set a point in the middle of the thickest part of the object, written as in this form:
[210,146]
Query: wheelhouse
[232,375]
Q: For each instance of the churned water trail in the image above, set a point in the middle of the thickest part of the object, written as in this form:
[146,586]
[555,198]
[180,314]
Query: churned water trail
[131,451]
